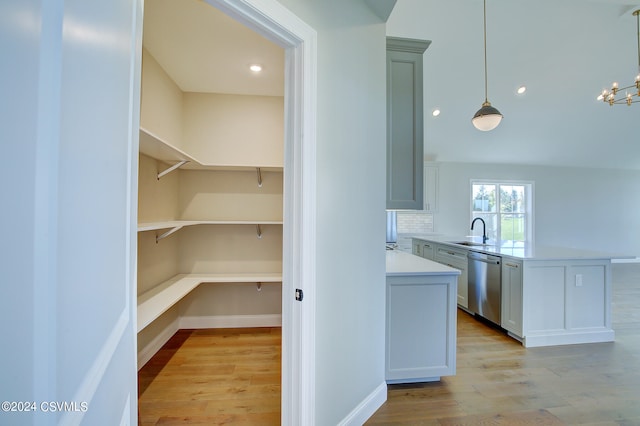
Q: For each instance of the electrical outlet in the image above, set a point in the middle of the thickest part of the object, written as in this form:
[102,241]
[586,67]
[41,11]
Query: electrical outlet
[578,280]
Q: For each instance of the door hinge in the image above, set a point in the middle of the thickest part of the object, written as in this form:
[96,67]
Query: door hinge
[299,294]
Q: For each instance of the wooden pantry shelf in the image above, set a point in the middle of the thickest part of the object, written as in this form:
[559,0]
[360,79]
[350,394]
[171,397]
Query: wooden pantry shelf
[154,226]
[156,301]
[155,147]
[176,225]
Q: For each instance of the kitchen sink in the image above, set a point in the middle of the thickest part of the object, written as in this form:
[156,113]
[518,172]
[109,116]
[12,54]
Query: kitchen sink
[466,243]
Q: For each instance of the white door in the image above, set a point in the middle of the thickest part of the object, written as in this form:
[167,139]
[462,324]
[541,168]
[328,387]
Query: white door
[70,91]
[69,116]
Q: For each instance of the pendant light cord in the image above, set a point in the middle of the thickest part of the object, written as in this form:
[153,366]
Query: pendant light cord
[486,99]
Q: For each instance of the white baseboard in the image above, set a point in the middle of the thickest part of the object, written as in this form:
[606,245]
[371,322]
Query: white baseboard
[231,321]
[367,407]
[626,260]
[146,353]
[569,338]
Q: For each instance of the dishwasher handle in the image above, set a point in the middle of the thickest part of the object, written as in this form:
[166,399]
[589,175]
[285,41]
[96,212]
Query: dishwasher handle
[486,258]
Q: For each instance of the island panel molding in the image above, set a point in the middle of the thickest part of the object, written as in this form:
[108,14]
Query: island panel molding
[550,295]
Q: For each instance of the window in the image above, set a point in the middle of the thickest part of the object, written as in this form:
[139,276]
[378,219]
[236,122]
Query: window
[507,209]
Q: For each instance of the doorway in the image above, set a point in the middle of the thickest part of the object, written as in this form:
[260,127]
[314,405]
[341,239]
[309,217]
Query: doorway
[298,260]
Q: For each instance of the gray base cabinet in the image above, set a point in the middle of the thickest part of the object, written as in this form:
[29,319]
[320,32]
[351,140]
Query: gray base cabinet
[456,259]
[449,256]
[421,328]
[424,249]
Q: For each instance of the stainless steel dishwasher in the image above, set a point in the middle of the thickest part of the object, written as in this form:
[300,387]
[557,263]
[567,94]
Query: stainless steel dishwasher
[485,288]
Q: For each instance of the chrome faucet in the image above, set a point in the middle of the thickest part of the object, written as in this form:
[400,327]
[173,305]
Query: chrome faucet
[484,229]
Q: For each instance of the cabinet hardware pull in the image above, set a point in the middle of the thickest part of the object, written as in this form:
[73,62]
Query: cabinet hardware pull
[258,232]
[513,265]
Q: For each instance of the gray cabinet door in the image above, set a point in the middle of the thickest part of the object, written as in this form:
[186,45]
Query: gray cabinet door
[405,123]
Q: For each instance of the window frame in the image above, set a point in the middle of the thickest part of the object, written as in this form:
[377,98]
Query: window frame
[529,189]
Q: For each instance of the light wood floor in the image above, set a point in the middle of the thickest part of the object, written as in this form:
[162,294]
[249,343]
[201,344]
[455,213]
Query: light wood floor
[211,377]
[499,382]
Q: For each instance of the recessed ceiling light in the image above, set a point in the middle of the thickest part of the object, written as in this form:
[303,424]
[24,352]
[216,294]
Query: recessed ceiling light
[255,68]
[436,112]
[521,90]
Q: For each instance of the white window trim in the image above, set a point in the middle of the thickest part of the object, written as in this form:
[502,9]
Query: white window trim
[530,206]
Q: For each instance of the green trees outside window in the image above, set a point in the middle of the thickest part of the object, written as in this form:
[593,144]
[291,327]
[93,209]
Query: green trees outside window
[506,209]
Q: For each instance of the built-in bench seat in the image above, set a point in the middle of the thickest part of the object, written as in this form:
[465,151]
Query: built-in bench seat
[156,301]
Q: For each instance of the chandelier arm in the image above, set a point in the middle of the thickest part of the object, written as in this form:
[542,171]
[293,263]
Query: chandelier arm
[609,97]
[623,101]
[637,13]
[632,86]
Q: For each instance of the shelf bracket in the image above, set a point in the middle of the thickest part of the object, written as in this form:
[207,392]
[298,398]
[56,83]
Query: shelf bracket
[259,173]
[258,231]
[172,168]
[166,234]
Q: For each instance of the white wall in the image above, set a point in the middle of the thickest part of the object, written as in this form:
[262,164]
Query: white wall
[351,203]
[234,129]
[573,207]
[161,102]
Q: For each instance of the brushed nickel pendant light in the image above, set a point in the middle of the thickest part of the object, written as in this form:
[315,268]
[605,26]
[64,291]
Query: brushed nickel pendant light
[487,118]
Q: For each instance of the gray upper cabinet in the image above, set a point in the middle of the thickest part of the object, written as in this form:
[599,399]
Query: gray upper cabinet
[405,123]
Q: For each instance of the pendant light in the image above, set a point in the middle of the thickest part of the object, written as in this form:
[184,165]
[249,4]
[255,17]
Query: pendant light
[487,118]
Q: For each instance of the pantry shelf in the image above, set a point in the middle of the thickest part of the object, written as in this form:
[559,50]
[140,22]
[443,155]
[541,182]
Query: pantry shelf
[155,302]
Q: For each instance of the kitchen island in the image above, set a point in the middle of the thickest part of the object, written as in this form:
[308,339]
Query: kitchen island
[549,295]
[420,319]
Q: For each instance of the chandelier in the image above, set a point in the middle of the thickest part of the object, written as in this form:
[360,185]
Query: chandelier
[611,96]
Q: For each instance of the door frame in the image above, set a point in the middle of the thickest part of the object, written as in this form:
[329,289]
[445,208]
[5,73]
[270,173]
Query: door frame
[275,22]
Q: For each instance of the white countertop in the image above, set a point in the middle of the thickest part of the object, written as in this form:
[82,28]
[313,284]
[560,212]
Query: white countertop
[526,252]
[402,263]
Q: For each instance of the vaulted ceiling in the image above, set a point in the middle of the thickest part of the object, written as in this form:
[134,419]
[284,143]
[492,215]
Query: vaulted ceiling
[564,51]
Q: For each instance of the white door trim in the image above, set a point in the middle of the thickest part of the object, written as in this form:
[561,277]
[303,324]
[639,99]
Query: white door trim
[272,20]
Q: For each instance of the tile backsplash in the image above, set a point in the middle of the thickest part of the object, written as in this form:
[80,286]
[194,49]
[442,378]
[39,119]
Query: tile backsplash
[414,222]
